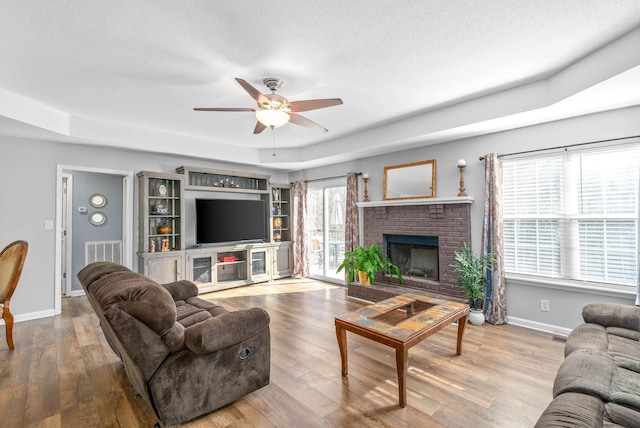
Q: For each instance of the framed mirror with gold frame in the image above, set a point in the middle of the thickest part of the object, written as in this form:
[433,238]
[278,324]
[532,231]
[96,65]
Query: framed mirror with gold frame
[415,180]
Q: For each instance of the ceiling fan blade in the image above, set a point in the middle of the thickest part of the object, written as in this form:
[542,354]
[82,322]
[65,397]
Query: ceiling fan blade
[255,94]
[259,127]
[307,123]
[223,109]
[306,105]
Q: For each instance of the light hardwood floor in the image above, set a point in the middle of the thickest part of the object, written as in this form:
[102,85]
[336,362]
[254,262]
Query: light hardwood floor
[63,374]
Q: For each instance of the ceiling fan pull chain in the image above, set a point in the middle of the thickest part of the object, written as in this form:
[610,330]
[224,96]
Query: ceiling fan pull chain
[273,129]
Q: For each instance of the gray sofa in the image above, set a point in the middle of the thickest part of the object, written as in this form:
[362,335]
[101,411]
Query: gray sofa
[185,356]
[598,383]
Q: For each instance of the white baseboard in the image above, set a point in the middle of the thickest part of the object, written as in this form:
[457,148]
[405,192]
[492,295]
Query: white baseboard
[42,314]
[31,316]
[534,325]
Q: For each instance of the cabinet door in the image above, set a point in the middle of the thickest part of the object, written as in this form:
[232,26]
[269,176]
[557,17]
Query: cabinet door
[282,260]
[201,269]
[164,269]
[260,265]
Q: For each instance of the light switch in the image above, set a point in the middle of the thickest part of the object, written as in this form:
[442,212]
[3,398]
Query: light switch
[48,225]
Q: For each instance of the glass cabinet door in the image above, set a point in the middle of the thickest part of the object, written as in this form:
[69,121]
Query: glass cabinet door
[202,269]
[258,262]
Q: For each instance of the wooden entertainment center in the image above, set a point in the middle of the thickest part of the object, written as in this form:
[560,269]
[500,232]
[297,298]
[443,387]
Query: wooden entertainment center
[162,255]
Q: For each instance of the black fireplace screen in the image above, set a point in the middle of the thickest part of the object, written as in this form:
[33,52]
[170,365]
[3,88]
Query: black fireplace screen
[416,256]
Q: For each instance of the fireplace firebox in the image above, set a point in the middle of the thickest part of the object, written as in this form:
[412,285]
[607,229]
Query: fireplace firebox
[416,256]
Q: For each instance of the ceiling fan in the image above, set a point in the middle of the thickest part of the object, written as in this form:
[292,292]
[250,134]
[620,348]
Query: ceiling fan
[275,110]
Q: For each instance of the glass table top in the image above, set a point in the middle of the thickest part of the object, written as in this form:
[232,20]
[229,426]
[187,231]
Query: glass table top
[405,315]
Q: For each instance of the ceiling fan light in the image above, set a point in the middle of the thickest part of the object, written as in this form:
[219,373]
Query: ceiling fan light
[272,118]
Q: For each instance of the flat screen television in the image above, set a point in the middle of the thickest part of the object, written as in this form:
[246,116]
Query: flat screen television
[229,220]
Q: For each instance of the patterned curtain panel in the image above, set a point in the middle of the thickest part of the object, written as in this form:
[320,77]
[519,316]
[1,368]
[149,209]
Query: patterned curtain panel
[495,308]
[351,225]
[300,253]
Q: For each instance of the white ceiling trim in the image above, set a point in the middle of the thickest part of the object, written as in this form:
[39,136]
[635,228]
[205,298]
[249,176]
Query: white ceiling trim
[26,110]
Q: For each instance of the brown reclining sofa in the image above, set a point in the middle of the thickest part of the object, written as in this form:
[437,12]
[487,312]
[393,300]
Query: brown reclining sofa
[185,356]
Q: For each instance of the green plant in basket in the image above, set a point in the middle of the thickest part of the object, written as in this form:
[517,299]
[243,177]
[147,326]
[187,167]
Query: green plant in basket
[471,270]
[369,261]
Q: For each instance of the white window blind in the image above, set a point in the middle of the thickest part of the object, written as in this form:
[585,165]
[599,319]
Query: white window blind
[573,215]
[532,210]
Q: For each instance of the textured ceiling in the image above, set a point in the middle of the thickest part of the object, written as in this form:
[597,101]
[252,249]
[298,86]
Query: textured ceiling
[128,73]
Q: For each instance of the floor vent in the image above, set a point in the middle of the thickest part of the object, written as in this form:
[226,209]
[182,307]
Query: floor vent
[103,251]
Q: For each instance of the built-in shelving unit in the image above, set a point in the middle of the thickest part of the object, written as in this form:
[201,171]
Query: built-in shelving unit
[281,212]
[161,225]
[161,222]
[230,265]
[281,230]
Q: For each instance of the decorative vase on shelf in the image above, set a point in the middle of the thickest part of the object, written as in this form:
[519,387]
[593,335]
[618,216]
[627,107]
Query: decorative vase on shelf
[160,208]
[164,229]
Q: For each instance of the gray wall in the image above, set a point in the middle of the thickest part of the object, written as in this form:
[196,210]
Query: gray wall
[86,184]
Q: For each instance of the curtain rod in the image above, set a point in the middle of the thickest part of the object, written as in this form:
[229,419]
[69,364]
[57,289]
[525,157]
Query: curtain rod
[564,147]
[329,178]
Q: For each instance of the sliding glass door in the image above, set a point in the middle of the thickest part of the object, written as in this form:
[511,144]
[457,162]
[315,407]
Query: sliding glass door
[325,228]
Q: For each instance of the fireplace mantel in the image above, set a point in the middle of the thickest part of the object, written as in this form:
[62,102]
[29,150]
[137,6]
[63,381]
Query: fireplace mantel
[423,201]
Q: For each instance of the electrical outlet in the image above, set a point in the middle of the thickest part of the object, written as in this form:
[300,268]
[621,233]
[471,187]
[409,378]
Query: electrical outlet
[544,305]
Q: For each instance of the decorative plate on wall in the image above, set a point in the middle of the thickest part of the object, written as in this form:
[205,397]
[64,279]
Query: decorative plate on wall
[98,200]
[97,218]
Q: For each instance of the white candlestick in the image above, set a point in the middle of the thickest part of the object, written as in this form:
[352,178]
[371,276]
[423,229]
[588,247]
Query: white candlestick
[365,178]
[461,166]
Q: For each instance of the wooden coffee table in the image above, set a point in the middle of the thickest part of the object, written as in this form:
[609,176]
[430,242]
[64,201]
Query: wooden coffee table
[401,322]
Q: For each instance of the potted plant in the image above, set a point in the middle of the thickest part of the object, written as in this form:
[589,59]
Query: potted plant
[471,279]
[367,261]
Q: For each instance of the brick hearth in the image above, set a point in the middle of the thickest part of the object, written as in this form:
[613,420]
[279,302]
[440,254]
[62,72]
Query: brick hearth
[450,222]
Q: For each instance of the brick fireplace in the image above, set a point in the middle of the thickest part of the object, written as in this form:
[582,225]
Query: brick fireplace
[443,225]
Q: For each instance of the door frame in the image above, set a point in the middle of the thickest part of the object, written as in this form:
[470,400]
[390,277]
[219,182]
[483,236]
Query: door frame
[66,233]
[127,221]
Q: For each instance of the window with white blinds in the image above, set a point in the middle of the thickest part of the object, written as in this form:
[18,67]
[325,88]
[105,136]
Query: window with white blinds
[573,215]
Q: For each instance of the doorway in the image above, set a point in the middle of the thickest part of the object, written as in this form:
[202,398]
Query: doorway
[94,209]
